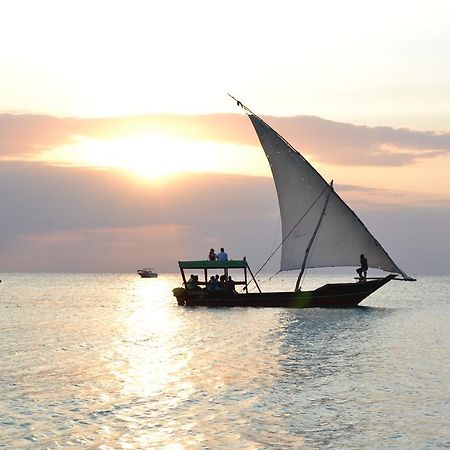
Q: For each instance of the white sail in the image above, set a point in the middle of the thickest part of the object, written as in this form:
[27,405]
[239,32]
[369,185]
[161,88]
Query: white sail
[302,194]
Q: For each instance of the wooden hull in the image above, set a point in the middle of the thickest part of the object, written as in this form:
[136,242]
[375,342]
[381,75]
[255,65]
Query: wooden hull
[337,295]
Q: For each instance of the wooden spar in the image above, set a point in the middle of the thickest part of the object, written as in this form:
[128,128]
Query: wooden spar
[381,278]
[302,271]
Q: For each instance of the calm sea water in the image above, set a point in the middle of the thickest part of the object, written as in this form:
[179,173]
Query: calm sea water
[111,362]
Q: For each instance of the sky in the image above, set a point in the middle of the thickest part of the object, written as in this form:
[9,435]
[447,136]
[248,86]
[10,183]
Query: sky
[120,148]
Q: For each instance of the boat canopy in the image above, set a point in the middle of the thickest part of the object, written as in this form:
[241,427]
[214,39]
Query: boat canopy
[231,264]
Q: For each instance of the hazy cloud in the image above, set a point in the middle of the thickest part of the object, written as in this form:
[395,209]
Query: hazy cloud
[81,219]
[78,219]
[25,135]
[324,140]
[342,143]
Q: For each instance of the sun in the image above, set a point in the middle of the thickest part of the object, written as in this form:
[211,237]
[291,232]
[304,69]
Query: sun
[149,156]
[154,157]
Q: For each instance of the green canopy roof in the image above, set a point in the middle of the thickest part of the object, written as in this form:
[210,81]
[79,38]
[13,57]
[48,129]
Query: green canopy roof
[231,264]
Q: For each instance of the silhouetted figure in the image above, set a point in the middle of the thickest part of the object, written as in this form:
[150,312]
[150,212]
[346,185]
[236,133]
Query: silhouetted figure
[212,255]
[231,285]
[211,284]
[362,271]
[192,283]
[222,255]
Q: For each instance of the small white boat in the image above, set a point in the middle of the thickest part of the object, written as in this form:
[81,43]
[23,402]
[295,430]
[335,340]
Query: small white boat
[147,272]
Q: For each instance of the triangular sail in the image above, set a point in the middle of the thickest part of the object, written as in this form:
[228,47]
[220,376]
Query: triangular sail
[342,236]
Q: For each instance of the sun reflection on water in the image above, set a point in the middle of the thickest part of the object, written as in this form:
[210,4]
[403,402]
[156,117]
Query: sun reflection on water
[184,368]
[147,344]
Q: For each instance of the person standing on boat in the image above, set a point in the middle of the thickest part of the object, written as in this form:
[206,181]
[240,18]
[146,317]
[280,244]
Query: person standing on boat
[362,271]
[212,255]
[222,255]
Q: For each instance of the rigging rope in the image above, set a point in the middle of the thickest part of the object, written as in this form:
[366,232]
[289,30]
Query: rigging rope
[292,230]
[262,282]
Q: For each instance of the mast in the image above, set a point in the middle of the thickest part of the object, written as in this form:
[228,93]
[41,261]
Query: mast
[313,237]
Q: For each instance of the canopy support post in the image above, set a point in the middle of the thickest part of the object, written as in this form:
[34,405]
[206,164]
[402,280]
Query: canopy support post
[253,277]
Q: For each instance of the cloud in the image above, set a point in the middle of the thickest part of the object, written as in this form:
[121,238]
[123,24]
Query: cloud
[366,198]
[39,196]
[24,136]
[80,219]
[346,144]
[114,249]
[84,219]
[416,237]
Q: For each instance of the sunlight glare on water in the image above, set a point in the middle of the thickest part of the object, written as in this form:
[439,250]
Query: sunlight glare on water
[110,361]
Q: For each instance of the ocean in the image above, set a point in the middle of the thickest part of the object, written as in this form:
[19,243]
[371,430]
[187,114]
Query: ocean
[109,361]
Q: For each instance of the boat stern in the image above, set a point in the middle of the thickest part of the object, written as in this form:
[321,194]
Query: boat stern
[180,294]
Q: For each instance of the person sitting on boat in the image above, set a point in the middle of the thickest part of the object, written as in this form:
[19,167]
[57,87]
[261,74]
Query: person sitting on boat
[222,255]
[362,271]
[213,284]
[192,283]
[212,255]
[223,281]
[231,285]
